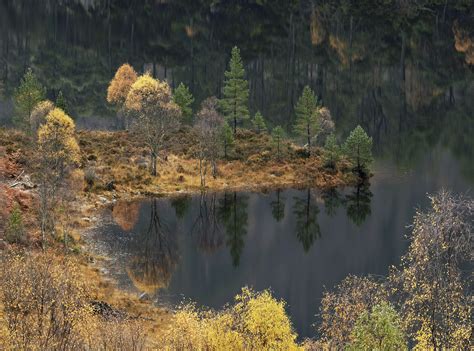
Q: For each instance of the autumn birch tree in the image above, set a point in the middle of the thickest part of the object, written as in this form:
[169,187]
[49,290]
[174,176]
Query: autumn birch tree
[58,150]
[155,115]
[119,88]
[209,127]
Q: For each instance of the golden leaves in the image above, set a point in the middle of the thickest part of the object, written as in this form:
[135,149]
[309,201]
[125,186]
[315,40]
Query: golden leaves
[257,321]
[120,85]
[56,138]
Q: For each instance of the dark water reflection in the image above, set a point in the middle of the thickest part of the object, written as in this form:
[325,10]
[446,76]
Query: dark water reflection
[295,242]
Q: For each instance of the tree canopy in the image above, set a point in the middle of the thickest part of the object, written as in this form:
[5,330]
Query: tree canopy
[236,91]
[184,99]
[307,116]
[27,95]
[154,114]
[120,85]
[358,148]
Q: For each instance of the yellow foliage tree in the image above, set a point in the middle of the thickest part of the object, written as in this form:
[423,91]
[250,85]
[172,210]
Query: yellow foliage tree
[44,305]
[434,296]
[262,321]
[39,113]
[341,308]
[58,150]
[257,321]
[155,115]
[120,85]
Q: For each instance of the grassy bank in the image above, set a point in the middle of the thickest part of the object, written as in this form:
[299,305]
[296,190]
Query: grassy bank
[252,164]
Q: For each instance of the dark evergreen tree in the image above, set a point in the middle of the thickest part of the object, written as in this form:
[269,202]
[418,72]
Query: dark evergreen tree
[236,91]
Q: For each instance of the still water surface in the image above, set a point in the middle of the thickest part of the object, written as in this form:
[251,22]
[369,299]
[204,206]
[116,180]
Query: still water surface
[295,242]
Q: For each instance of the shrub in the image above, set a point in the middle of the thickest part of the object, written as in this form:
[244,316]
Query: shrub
[15,230]
[341,307]
[379,329]
[43,302]
[90,177]
[257,321]
[46,307]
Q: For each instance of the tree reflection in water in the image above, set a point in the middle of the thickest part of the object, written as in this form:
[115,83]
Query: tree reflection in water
[307,227]
[181,205]
[332,201]
[233,214]
[207,225]
[278,206]
[358,203]
[125,214]
[154,255]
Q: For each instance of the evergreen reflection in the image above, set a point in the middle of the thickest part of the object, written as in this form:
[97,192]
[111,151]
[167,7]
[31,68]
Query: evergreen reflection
[278,206]
[154,254]
[307,227]
[358,203]
[233,213]
[332,201]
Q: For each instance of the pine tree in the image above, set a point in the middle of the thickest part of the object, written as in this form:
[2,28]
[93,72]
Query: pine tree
[15,230]
[358,148]
[227,138]
[332,151]
[307,116]
[236,91]
[184,99]
[27,95]
[259,123]
[61,102]
[277,136]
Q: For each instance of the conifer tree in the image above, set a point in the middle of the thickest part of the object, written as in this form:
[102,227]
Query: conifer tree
[277,136]
[332,151]
[227,138]
[184,99]
[259,123]
[358,148]
[236,91]
[307,116]
[27,95]
[15,230]
[61,102]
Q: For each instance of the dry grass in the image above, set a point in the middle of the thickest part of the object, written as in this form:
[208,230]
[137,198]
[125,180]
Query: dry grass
[251,165]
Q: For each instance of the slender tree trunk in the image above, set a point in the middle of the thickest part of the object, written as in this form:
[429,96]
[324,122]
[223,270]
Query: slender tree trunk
[153,157]
[309,139]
